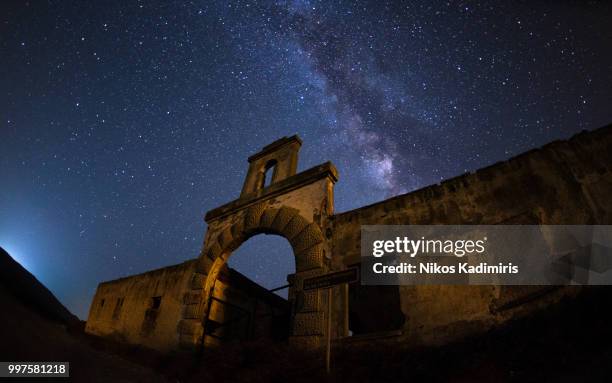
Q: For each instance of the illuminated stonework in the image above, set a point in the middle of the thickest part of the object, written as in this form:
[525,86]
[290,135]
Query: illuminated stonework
[565,182]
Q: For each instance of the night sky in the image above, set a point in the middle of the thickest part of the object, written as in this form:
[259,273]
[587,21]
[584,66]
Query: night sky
[122,123]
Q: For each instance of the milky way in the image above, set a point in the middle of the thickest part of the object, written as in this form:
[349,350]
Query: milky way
[123,123]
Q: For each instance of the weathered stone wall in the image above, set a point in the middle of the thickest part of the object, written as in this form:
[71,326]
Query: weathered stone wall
[565,182]
[241,309]
[146,309]
[132,321]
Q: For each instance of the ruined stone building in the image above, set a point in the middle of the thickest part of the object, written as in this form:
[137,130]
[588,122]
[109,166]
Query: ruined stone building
[203,302]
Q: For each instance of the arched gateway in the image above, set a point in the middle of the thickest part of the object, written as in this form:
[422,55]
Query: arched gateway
[167,308]
[294,206]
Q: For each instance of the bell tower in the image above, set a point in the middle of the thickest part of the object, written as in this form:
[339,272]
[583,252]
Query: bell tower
[278,160]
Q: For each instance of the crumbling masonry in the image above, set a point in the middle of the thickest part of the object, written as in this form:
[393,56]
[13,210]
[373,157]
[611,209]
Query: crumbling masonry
[565,182]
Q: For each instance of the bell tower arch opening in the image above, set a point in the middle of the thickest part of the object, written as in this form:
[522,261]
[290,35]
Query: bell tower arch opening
[280,158]
[268,175]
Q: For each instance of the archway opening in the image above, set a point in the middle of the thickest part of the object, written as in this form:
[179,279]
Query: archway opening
[266,260]
[249,299]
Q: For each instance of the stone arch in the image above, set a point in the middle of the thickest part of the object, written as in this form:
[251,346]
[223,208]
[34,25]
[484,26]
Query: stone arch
[307,242]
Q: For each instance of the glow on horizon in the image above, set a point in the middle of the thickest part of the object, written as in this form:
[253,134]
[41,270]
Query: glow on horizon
[19,255]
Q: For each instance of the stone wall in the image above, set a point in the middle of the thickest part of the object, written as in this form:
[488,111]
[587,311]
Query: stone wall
[145,309]
[141,309]
[564,182]
[241,309]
